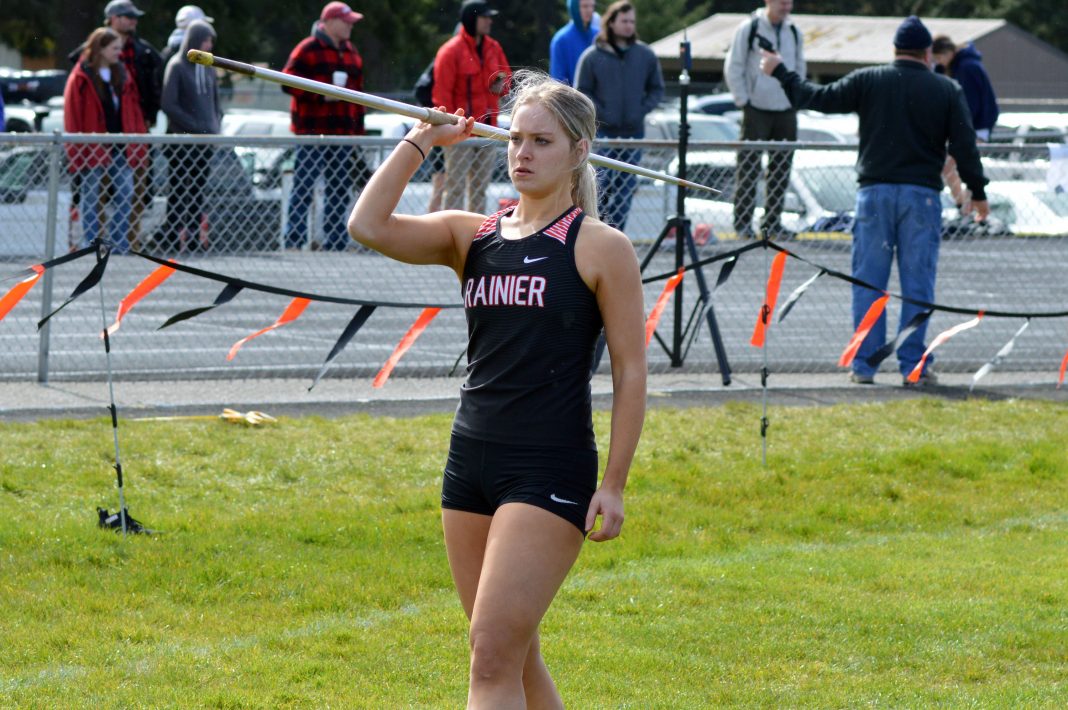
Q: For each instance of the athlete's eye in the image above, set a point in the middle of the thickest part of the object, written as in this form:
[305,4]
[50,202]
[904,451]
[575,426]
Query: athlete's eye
[543,141]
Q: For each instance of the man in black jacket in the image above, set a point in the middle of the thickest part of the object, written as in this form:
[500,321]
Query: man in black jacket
[908,115]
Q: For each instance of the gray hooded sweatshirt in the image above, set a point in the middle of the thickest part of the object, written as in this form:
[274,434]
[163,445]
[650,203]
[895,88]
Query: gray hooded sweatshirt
[190,91]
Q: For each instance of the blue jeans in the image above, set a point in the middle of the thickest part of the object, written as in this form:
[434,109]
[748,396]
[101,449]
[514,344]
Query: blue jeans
[336,164]
[615,187]
[906,219]
[121,176]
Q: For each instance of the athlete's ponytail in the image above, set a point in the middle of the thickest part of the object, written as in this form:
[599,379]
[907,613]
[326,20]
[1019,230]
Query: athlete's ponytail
[577,116]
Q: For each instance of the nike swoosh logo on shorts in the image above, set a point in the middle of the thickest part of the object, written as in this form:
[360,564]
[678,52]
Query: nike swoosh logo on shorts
[554,499]
[528,260]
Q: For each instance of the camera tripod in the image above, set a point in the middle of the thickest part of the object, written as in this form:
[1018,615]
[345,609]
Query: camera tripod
[683,335]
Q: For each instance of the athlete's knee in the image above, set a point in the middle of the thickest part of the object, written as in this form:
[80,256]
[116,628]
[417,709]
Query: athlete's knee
[497,654]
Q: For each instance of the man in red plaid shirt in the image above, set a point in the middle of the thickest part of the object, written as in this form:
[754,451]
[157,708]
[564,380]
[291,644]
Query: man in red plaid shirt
[328,56]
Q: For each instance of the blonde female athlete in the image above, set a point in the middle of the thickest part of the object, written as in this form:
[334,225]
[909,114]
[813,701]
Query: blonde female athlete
[538,282]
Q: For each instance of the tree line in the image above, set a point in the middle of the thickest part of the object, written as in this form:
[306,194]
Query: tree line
[398,39]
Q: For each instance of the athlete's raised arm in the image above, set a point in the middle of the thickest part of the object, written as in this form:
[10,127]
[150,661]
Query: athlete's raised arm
[436,238]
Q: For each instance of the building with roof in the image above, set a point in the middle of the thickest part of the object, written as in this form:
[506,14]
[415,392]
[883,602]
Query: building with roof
[1027,73]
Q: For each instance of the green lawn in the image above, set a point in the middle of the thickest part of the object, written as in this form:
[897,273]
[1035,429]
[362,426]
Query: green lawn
[910,554]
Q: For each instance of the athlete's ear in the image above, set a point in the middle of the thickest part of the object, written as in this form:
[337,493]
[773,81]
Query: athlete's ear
[581,151]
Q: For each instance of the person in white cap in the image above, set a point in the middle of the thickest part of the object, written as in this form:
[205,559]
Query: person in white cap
[182,18]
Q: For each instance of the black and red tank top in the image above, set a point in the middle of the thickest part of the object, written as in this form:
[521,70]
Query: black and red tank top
[532,325]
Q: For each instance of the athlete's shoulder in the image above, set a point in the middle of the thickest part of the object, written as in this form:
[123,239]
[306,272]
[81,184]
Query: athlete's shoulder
[602,235]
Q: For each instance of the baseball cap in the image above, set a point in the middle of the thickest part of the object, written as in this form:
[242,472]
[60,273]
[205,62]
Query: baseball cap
[477,8]
[121,8]
[188,13]
[340,11]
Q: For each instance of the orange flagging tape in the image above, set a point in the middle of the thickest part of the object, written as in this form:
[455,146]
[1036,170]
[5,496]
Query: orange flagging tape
[1064,368]
[406,342]
[291,313]
[12,297]
[141,290]
[661,304]
[942,337]
[771,295]
[866,323]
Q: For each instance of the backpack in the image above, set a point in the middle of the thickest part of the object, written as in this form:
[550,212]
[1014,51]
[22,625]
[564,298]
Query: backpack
[424,86]
[753,33]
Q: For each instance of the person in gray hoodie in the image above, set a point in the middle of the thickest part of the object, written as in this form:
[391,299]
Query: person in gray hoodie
[191,102]
[622,77]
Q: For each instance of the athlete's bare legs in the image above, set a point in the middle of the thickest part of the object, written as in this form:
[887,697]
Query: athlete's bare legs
[507,569]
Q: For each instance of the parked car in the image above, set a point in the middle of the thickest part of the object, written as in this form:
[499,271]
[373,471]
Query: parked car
[24,117]
[713,104]
[822,193]
[1024,127]
[36,87]
[22,168]
[1029,207]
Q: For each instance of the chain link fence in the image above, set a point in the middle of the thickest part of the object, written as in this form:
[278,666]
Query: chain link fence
[273,211]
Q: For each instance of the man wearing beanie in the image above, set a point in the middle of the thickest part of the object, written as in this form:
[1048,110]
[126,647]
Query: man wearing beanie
[909,117]
[470,72]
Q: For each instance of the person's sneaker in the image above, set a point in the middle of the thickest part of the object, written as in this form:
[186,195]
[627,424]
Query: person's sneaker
[927,379]
[859,379]
[745,234]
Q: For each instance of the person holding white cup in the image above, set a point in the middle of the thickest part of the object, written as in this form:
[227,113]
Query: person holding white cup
[329,56]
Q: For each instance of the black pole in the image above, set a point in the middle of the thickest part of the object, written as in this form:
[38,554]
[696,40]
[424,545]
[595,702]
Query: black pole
[679,225]
[682,225]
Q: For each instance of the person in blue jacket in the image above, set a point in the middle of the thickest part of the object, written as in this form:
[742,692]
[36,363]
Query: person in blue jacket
[965,66]
[571,40]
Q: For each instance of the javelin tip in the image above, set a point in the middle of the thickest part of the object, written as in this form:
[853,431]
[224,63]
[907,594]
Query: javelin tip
[199,56]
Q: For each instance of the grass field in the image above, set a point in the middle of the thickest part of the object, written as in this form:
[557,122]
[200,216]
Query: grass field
[910,554]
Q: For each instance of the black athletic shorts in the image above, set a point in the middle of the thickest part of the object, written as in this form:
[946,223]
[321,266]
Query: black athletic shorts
[481,476]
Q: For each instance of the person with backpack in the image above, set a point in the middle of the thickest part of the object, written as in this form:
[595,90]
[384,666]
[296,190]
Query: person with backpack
[766,113]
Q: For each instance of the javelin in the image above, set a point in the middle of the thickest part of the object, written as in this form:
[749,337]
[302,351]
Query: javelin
[428,115]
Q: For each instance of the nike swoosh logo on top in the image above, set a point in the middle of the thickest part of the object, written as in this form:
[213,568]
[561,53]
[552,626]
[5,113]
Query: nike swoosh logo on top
[552,496]
[528,260]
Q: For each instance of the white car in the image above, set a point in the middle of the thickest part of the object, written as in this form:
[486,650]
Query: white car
[1029,208]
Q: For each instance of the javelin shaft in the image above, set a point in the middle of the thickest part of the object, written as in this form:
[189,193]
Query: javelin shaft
[419,113]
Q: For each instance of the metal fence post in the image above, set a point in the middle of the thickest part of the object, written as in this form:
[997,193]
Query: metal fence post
[54,164]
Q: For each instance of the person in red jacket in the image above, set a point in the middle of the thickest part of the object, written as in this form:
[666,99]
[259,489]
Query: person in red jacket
[102,97]
[470,73]
[328,56]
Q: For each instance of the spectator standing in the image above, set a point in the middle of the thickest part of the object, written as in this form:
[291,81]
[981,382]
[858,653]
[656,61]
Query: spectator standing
[328,55]
[191,102]
[766,114]
[574,38]
[101,97]
[143,62]
[965,66]
[622,77]
[185,15]
[908,114]
[470,73]
[3,122]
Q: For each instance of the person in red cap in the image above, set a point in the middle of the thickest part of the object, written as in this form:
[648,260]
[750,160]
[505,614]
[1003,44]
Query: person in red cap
[470,73]
[328,55]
